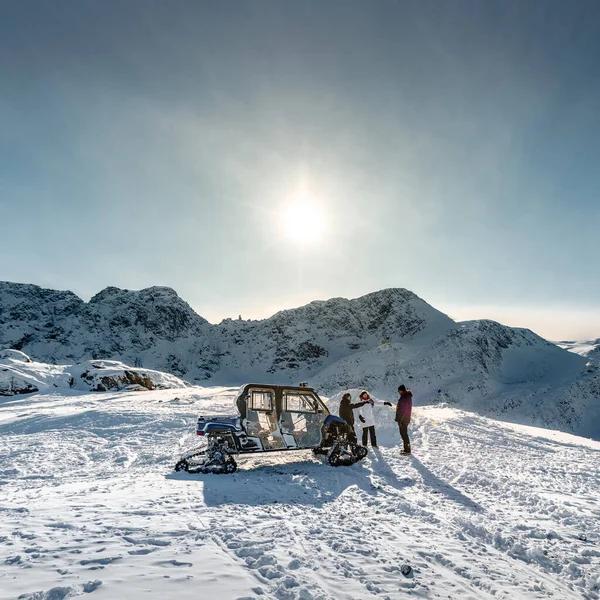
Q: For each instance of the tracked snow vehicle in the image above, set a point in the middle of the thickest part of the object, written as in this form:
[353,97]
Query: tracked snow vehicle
[272,418]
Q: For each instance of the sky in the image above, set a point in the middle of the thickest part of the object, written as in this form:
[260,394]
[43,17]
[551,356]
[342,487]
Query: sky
[256,155]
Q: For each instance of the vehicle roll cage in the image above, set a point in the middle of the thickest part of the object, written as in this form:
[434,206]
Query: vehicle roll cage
[280,394]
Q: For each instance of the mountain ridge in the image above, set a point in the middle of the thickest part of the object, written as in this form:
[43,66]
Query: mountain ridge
[375,341]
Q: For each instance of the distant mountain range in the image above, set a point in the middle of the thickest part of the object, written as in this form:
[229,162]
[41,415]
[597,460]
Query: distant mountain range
[376,341]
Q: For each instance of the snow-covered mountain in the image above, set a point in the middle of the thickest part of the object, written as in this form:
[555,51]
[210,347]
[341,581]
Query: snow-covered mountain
[156,328]
[152,327]
[376,342]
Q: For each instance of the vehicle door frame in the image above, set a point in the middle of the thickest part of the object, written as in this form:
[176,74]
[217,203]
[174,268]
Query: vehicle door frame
[318,409]
[268,439]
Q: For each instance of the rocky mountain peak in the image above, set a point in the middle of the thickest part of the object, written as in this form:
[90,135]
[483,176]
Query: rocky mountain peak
[26,302]
[391,313]
[14,293]
[154,294]
[155,311]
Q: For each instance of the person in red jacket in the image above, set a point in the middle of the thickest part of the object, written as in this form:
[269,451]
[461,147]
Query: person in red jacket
[403,412]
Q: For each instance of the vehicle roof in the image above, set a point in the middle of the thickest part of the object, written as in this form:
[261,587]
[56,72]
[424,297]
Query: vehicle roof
[279,390]
[277,387]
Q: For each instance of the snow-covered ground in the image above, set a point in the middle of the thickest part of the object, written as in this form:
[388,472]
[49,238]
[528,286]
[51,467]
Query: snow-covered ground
[89,504]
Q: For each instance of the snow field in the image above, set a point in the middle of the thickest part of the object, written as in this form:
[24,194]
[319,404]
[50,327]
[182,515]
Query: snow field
[89,504]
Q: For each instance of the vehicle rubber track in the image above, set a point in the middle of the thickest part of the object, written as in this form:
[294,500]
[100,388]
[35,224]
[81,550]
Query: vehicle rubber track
[198,461]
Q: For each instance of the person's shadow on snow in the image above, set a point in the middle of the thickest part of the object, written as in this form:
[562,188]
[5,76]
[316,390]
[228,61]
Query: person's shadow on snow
[381,467]
[443,487]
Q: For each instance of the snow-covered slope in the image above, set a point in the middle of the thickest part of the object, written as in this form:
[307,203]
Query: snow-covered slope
[91,508]
[20,375]
[297,343]
[500,371]
[377,342]
[590,349]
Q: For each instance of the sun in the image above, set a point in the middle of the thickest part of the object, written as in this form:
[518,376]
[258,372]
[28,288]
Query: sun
[304,221]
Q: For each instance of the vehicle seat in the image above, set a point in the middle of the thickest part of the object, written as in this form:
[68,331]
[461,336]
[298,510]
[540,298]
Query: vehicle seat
[286,423]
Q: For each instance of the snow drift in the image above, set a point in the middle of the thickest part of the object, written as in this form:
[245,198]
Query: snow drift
[20,375]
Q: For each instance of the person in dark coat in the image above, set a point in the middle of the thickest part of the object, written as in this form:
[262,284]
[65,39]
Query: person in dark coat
[346,412]
[403,412]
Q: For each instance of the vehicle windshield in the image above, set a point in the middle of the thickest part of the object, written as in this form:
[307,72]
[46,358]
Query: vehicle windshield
[296,402]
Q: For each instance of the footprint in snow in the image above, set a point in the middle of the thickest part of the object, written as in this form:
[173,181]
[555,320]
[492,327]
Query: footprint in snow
[100,561]
[141,551]
[272,571]
[90,586]
[174,563]
[149,541]
[55,593]
[252,552]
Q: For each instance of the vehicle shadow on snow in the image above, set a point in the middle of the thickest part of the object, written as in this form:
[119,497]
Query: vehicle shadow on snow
[443,487]
[304,482]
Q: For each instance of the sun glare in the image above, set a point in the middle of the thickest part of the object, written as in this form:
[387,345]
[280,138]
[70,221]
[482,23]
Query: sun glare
[304,221]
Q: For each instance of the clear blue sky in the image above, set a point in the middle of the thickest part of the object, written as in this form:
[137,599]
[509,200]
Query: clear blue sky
[452,147]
